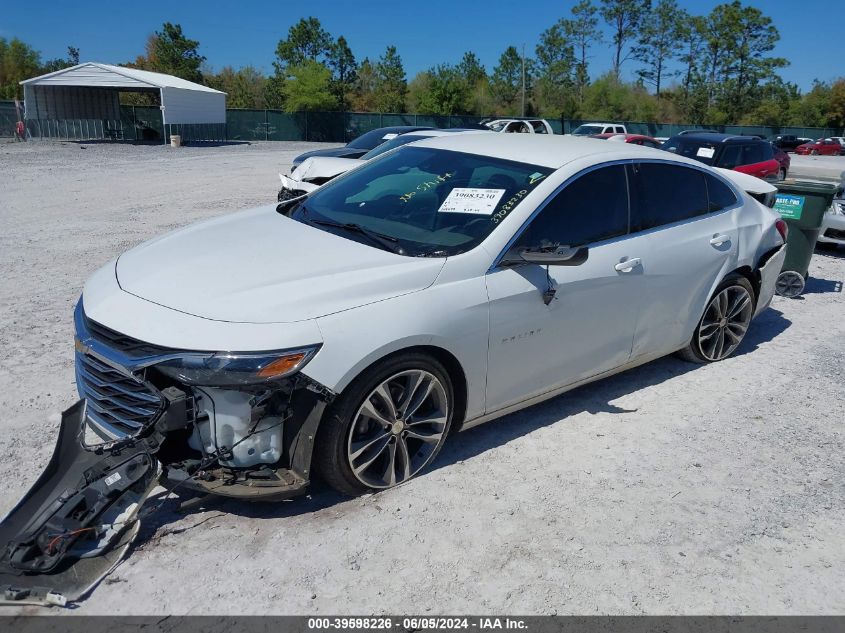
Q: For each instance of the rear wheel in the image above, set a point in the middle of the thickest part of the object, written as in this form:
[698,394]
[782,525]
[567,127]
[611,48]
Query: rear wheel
[724,322]
[387,426]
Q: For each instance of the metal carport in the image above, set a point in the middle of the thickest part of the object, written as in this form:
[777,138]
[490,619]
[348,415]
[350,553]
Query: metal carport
[82,103]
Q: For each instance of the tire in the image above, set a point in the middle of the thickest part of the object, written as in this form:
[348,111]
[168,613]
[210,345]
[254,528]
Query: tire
[815,152]
[730,329]
[369,429]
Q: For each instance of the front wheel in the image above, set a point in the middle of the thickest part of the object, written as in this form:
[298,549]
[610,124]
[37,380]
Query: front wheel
[386,426]
[724,322]
[815,152]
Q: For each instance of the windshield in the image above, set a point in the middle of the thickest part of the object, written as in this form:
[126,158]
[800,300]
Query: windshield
[430,202]
[586,130]
[372,139]
[702,151]
[404,139]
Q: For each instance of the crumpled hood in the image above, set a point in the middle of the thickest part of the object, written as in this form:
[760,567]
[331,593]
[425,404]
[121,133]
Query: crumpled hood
[323,167]
[258,266]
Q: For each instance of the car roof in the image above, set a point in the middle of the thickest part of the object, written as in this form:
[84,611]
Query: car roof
[444,132]
[713,137]
[546,150]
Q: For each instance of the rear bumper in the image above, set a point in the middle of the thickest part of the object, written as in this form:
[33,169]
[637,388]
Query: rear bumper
[771,266]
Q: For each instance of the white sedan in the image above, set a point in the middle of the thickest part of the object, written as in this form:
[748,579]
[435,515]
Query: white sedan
[316,171]
[439,286]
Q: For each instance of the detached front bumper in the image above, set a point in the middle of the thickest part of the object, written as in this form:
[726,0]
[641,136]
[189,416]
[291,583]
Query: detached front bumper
[76,522]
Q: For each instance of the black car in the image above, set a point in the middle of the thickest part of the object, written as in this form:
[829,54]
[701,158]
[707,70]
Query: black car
[748,154]
[787,142]
[362,144]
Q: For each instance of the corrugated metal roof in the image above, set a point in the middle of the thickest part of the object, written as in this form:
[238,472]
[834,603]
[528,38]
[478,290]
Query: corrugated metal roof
[93,74]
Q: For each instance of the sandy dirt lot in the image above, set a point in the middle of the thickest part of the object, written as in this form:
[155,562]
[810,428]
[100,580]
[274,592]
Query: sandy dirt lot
[671,488]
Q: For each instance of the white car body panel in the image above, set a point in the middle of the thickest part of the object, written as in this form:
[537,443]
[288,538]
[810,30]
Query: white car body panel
[317,167]
[328,167]
[201,270]
[257,280]
[834,219]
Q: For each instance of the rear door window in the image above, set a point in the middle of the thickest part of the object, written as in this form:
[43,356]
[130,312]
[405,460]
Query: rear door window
[592,208]
[664,194]
[539,127]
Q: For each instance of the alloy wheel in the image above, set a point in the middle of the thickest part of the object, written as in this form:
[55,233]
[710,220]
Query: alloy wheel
[398,429]
[725,322]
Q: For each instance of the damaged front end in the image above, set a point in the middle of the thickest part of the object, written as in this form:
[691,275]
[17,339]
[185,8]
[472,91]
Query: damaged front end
[237,425]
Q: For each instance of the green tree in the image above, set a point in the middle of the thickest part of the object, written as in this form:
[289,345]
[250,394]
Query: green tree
[583,30]
[506,82]
[18,61]
[470,69]
[60,64]
[170,52]
[307,40]
[244,88]
[364,93]
[624,17]
[442,90]
[308,87]
[554,71]
[341,62]
[836,109]
[390,86]
[660,32]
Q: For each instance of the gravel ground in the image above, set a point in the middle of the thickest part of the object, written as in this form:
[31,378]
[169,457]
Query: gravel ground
[671,488]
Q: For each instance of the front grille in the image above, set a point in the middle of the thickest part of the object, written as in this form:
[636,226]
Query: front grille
[126,344]
[835,234]
[117,405]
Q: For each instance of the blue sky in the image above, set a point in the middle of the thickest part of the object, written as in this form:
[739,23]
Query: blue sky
[426,32]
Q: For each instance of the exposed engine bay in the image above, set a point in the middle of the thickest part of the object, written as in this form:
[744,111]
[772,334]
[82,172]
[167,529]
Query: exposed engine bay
[136,427]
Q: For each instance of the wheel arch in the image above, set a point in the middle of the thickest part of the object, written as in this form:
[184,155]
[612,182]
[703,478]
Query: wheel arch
[454,369]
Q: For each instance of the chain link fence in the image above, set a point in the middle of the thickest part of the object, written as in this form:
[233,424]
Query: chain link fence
[144,123]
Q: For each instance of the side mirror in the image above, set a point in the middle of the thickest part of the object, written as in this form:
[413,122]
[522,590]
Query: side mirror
[549,256]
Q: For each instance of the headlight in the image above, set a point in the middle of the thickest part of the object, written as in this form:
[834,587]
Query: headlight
[232,369]
[838,206]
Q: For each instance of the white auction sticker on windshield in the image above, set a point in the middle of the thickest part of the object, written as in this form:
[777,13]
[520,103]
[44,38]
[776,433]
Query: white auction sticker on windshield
[471,200]
[389,136]
[705,152]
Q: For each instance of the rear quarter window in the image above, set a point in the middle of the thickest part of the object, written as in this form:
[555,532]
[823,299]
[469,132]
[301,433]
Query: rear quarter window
[719,195]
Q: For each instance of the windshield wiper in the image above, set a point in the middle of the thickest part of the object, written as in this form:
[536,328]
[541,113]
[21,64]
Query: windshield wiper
[387,242]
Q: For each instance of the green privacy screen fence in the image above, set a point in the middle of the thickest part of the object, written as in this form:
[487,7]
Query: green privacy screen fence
[143,123]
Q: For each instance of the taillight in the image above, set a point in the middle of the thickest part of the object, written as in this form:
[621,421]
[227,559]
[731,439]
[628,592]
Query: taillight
[780,225]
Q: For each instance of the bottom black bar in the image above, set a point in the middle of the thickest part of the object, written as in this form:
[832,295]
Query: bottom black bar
[534,624]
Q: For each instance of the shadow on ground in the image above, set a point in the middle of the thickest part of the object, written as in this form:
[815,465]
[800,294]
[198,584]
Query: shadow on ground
[596,397]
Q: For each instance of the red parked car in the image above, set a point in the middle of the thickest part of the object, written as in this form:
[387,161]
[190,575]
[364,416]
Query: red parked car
[783,160]
[821,147]
[636,139]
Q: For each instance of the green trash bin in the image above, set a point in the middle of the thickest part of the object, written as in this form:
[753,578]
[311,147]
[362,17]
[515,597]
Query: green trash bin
[802,204]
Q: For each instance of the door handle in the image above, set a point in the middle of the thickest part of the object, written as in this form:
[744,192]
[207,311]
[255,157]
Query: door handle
[628,265]
[718,240]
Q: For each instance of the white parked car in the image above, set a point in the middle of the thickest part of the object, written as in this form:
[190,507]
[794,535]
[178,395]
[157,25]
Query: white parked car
[520,126]
[833,223]
[318,170]
[591,129]
[349,331]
